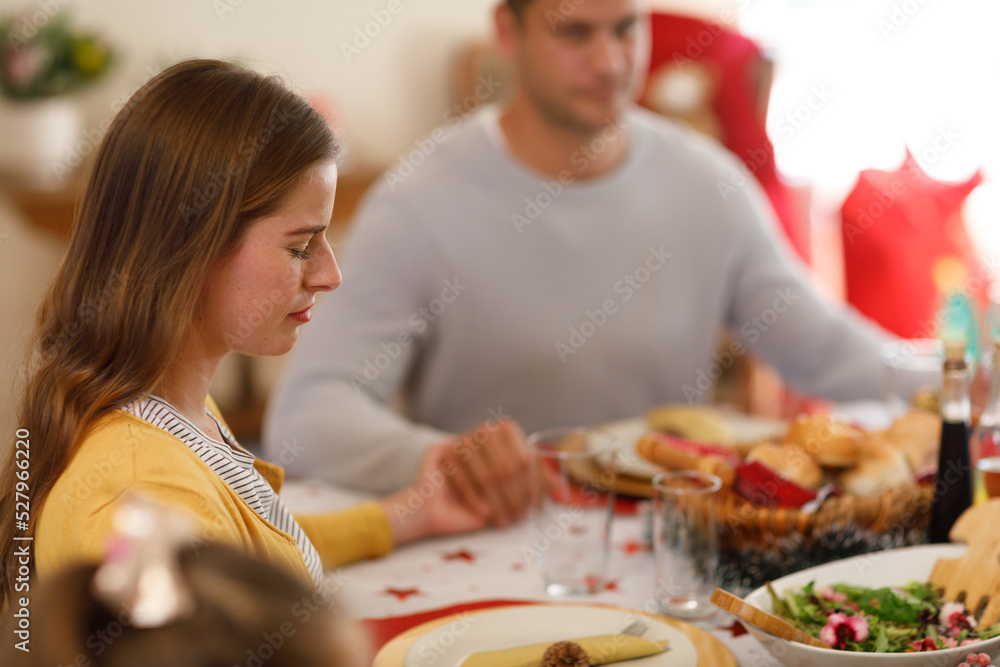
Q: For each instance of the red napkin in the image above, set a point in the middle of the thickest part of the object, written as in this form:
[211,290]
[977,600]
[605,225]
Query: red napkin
[381,630]
[761,485]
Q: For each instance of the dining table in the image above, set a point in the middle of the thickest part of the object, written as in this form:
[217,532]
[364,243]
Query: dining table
[449,576]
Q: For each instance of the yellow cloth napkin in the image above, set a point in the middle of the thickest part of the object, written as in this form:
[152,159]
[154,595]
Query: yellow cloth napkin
[600,649]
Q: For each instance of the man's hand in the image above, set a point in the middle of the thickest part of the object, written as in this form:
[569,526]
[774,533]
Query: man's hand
[466,483]
[489,471]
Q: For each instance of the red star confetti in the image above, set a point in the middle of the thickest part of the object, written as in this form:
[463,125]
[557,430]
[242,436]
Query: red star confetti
[461,554]
[402,593]
[611,585]
[632,547]
[736,628]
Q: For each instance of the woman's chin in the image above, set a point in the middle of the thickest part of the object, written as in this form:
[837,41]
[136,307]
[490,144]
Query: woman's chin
[272,347]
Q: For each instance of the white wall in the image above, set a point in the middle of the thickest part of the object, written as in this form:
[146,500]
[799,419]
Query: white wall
[28,259]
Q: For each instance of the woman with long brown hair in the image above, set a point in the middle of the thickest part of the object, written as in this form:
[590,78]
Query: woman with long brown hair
[201,231]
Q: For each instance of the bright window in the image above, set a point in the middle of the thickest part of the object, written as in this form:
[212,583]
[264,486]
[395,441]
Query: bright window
[857,80]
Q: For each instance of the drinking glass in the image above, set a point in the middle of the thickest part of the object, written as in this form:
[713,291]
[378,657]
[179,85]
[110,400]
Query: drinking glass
[573,493]
[686,543]
[911,367]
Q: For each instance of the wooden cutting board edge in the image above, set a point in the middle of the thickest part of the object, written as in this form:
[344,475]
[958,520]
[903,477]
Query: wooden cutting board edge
[711,652]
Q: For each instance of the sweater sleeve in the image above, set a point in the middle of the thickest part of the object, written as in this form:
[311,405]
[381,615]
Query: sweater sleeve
[330,414]
[819,346]
[348,535]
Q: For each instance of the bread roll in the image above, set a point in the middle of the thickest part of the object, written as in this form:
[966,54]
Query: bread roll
[918,435]
[692,422]
[675,454]
[789,460]
[831,444]
[883,466]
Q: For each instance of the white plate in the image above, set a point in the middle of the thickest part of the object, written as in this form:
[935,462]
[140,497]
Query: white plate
[894,567]
[450,643]
[747,428]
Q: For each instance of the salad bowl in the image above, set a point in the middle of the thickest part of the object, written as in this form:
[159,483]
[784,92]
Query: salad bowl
[894,567]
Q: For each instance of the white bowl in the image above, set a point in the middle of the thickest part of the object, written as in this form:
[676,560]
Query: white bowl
[893,567]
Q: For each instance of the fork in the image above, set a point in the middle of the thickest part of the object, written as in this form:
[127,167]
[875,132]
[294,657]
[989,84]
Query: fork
[636,628]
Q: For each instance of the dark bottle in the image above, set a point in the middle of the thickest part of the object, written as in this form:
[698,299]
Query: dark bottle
[953,484]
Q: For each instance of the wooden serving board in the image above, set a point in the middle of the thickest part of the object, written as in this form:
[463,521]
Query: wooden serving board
[977,572]
[766,621]
[711,652]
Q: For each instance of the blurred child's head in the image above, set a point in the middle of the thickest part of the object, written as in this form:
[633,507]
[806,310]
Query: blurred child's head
[245,612]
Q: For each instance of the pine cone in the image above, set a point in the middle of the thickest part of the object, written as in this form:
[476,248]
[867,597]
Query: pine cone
[565,654]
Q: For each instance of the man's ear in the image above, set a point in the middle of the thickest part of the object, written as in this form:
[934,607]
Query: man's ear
[506,27]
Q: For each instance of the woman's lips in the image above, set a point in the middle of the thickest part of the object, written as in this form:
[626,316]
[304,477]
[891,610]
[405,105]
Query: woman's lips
[303,315]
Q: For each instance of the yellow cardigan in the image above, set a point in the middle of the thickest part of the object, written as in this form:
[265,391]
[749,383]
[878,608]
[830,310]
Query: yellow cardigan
[123,452]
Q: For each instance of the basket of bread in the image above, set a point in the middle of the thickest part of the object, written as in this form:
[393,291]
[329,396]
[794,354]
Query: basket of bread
[815,491]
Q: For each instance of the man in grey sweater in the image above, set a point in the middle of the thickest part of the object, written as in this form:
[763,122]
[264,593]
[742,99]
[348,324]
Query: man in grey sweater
[565,259]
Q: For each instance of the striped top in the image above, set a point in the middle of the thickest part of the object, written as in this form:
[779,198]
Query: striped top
[235,466]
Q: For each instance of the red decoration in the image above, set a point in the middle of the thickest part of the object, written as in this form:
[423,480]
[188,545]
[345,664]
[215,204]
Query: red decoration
[897,226]
[402,593]
[610,585]
[736,628]
[632,547]
[461,554]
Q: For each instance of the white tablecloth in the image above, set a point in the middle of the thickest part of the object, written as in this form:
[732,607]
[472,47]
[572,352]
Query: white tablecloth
[491,564]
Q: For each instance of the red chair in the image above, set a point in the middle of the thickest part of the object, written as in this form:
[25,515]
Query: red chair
[719,82]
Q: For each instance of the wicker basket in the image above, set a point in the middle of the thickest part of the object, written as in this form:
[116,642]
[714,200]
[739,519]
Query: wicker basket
[758,544]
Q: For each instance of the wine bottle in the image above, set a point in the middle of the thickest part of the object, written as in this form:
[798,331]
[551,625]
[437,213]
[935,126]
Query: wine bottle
[984,448]
[953,483]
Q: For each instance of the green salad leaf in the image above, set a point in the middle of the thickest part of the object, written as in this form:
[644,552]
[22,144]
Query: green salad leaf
[880,620]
